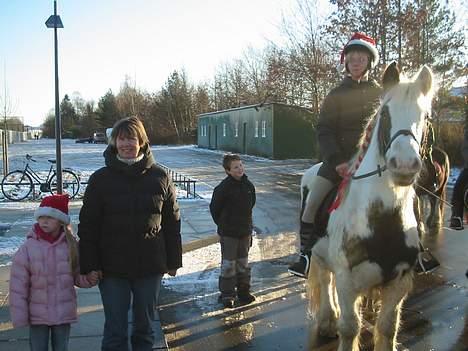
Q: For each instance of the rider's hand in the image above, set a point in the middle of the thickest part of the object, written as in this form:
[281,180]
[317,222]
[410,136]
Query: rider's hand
[342,169]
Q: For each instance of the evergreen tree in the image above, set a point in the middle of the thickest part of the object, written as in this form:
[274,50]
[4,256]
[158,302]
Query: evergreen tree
[107,110]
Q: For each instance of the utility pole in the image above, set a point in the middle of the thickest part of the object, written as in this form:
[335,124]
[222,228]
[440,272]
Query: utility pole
[5,130]
[55,22]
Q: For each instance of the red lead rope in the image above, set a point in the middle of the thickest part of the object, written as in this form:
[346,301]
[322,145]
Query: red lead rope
[344,183]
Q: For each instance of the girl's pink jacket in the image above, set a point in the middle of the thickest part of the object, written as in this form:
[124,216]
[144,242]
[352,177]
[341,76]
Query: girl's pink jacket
[42,285]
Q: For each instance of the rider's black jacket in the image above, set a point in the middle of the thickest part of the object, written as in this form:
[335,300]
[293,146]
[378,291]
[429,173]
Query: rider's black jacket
[343,117]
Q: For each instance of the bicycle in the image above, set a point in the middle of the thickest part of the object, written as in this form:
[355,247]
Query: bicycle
[18,184]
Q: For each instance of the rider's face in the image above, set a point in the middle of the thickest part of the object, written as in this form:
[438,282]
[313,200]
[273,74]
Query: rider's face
[357,63]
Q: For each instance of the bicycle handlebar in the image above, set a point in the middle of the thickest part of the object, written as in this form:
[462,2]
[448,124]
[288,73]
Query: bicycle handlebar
[29,158]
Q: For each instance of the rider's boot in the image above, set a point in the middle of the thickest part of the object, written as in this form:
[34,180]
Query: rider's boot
[308,238]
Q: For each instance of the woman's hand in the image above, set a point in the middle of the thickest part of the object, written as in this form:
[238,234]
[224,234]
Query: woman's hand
[93,277]
[342,169]
[172,272]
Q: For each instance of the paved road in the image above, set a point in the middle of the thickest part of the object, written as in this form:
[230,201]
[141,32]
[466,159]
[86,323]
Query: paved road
[434,316]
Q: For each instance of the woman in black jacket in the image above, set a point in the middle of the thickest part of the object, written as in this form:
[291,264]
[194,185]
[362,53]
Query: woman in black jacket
[343,116]
[130,232]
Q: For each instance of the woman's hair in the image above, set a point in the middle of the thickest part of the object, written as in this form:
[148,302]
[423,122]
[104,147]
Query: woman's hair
[72,248]
[129,127]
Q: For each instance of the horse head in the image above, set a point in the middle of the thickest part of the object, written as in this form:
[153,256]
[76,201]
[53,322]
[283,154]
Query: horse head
[405,106]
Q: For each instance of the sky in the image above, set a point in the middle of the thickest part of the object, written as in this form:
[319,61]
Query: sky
[104,41]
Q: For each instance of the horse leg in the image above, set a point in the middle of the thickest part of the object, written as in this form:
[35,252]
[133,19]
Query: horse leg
[388,320]
[433,220]
[320,290]
[349,322]
[418,213]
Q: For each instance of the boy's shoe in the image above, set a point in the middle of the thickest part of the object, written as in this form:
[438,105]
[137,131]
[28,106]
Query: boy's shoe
[301,267]
[456,223]
[227,301]
[245,298]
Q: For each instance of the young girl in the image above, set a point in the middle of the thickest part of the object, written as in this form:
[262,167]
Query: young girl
[42,278]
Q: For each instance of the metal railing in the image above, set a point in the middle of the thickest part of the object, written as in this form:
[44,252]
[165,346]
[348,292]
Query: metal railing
[182,181]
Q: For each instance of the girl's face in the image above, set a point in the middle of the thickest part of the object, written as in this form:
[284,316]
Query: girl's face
[49,225]
[236,170]
[127,146]
[357,62]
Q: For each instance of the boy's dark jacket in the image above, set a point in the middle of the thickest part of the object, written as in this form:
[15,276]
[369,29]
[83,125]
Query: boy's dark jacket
[130,221]
[231,206]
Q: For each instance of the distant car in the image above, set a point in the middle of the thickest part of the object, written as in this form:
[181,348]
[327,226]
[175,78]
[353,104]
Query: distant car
[99,138]
[84,140]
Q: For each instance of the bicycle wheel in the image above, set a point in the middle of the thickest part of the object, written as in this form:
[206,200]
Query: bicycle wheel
[17,185]
[70,183]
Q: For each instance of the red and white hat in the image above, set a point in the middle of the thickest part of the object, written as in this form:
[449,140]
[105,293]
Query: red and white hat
[365,41]
[55,206]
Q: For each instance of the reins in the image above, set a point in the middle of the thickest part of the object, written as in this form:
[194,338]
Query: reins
[434,195]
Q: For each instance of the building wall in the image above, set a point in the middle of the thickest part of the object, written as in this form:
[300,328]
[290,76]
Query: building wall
[294,133]
[272,130]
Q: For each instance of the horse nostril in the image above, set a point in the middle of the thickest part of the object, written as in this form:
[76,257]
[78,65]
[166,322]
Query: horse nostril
[392,163]
[416,165]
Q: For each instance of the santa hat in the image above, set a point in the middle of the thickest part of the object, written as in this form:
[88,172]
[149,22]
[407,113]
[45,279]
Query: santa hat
[365,41]
[55,206]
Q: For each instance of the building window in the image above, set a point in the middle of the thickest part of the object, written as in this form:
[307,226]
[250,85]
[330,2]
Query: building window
[256,129]
[204,130]
[224,129]
[236,130]
[263,129]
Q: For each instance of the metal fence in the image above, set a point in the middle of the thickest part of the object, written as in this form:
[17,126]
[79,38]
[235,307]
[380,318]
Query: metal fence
[182,182]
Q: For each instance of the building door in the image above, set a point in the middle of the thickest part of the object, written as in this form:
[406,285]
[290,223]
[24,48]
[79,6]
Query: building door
[209,136]
[244,138]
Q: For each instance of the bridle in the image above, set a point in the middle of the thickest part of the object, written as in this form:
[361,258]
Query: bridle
[385,142]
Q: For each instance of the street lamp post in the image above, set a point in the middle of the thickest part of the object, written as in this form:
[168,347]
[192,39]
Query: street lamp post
[55,22]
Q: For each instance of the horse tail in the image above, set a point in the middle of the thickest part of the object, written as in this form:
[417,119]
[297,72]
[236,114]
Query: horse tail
[313,287]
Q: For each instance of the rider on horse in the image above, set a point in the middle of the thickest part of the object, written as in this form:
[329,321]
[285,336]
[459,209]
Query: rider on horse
[343,116]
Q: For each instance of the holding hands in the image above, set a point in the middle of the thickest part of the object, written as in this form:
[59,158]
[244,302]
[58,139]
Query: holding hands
[93,277]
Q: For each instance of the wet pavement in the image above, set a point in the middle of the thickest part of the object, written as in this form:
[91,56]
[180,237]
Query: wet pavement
[434,316]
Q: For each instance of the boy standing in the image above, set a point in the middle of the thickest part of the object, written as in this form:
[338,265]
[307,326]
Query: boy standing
[231,208]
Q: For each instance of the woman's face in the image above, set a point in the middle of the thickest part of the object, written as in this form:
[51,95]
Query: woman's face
[357,62]
[127,146]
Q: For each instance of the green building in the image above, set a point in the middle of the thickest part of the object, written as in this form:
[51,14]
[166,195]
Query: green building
[270,130]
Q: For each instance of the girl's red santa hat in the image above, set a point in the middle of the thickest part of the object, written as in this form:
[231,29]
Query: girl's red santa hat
[55,206]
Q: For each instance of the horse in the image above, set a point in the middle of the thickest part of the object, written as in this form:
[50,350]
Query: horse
[430,186]
[372,240]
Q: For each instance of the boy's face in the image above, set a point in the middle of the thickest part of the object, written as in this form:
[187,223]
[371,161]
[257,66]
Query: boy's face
[236,170]
[49,225]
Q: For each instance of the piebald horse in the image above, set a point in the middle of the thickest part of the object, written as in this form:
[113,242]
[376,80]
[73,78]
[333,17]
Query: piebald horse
[371,244]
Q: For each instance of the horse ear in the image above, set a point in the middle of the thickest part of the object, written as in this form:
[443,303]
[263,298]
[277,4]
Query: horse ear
[391,76]
[424,79]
